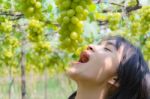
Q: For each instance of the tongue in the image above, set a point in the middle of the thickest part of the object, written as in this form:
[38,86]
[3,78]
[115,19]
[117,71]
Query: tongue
[84,57]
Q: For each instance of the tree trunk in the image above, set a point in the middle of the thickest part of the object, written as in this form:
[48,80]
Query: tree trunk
[11,82]
[45,85]
[23,76]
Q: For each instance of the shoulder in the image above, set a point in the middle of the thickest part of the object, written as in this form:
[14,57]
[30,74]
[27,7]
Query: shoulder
[72,96]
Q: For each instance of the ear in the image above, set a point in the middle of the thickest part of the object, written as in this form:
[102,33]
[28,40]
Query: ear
[113,81]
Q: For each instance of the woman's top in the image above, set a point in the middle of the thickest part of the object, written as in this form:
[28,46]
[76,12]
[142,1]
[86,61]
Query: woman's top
[72,96]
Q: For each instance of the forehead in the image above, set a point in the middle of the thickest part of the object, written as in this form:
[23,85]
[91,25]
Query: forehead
[109,42]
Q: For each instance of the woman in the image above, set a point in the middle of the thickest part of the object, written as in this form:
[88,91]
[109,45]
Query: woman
[113,69]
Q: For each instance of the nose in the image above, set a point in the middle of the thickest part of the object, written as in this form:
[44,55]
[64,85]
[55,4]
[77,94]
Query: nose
[91,47]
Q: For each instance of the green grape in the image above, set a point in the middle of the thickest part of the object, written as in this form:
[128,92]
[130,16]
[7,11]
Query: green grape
[84,4]
[85,12]
[66,4]
[73,5]
[66,19]
[38,5]
[80,49]
[70,12]
[80,16]
[64,13]
[30,10]
[33,1]
[79,9]
[74,20]
[59,19]
[74,35]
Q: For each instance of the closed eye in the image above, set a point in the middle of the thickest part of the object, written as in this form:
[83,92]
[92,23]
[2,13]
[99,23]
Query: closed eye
[107,49]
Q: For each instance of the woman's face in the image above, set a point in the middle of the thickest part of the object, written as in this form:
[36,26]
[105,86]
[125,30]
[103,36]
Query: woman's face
[102,64]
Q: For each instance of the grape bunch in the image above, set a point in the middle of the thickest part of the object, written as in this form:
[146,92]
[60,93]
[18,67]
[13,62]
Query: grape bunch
[42,47]
[6,27]
[144,14]
[132,3]
[146,49]
[7,55]
[145,19]
[37,37]
[113,20]
[11,41]
[35,30]
[31,8]
[72,15]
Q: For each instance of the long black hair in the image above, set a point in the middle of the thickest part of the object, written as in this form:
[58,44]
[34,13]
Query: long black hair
[133,72]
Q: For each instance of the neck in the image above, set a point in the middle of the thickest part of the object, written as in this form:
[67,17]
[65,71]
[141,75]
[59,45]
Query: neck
[87,91]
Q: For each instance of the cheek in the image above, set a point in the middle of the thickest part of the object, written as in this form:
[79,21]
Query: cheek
[107,68]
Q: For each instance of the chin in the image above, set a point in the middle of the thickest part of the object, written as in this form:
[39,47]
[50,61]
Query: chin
[71,71]
[77,72]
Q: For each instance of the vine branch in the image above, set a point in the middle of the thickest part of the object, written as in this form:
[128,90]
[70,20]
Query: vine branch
[127,10]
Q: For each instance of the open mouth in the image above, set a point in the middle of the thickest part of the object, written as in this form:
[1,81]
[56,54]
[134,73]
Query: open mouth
[84,57]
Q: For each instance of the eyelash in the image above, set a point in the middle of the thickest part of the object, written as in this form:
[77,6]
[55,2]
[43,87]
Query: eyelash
[107,49]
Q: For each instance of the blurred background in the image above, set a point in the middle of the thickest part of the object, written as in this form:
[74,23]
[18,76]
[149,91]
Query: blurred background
[39,38]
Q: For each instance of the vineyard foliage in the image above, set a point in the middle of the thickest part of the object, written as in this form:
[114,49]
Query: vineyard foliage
[53,32]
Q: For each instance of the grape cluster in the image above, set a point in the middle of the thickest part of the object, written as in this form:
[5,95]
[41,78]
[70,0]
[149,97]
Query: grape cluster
[36,36]
[144,14]
[6,26]
[11,40]
[132,3]
[135,27]
[145,18]
[140,21]
[140,25]
[146,49]
[31,8]
[100,16]
[72,15]
[7,54]
[35,30]
[42,46]
[113,20]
